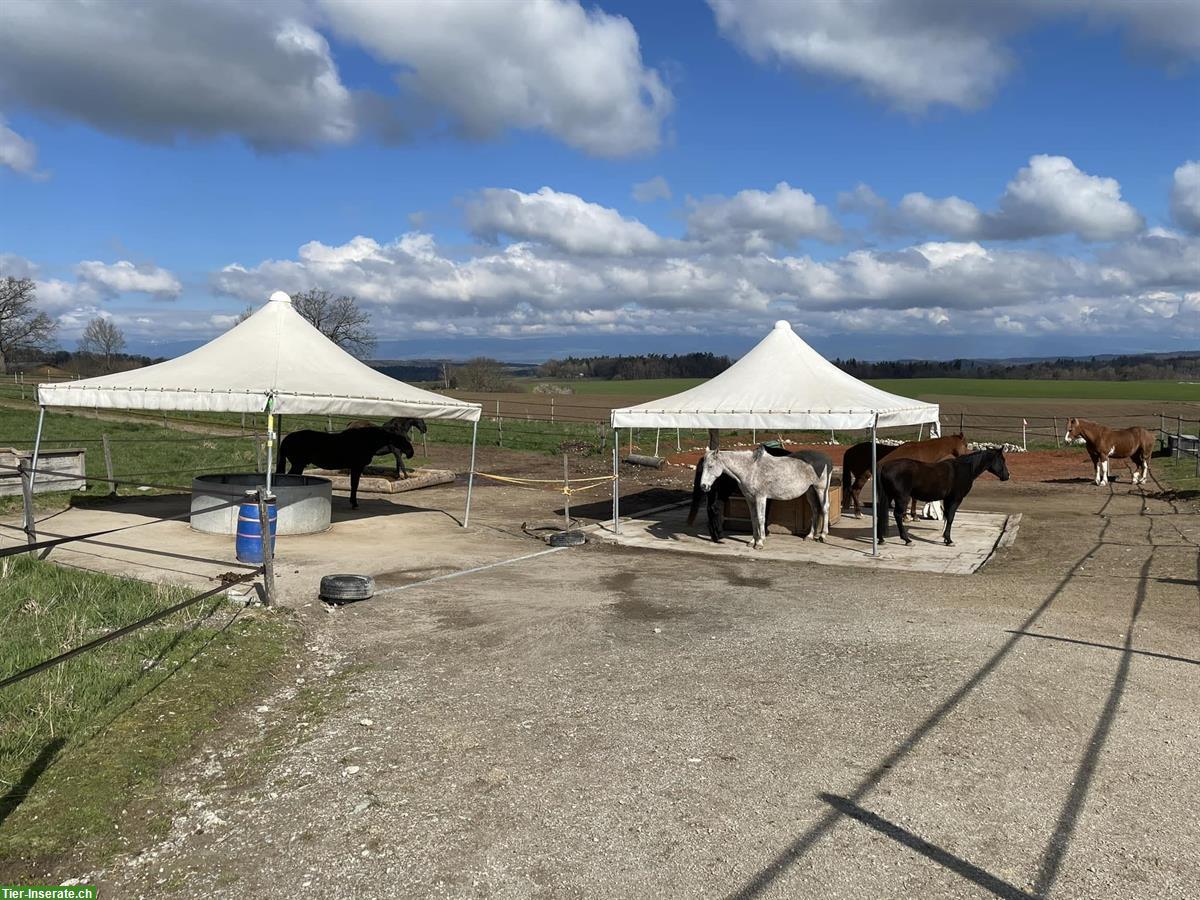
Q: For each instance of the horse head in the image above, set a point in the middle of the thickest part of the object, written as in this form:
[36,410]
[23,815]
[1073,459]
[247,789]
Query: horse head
[958,445]
[1074,430]
[404,444]
[998,465]
[713,467]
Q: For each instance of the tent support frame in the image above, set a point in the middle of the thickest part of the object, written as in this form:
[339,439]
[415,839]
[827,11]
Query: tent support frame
[471,474]
[616,481]
[874,489]
[33,467]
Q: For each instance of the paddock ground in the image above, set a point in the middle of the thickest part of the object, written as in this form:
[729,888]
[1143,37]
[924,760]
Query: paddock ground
[615,722]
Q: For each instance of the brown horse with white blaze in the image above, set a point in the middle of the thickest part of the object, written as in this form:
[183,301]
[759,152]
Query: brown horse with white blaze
[1104,443]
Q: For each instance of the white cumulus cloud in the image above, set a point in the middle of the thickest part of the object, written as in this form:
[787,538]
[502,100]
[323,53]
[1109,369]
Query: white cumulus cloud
[551,65]
[915,54]
[652,189]
[189,68]
[565,221]
[1185,196]
[123,277]
[16,152]
[758,219]
[1050,196]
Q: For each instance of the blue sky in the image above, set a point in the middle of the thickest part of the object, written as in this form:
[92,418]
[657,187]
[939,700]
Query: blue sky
[896,178]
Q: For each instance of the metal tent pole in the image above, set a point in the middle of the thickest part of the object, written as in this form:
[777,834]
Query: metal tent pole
[874,492]
[616,485]
[33,465]
[471,474]
[270,440]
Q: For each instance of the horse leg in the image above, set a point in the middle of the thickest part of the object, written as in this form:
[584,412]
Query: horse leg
[1096,463]
[716,515]
[1105,464]
[856,494]
[951,507]
[760,513]
[900,504]
[355,474]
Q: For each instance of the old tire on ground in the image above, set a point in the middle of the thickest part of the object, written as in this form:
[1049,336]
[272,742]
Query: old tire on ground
[343,588]
[567,539]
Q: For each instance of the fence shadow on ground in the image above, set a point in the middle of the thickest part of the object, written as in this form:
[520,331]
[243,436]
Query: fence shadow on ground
[21,788]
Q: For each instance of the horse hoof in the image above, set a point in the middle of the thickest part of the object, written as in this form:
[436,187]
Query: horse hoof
[949,543]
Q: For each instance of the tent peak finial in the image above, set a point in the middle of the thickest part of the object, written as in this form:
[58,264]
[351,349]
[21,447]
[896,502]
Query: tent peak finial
[783,325]
[280,297]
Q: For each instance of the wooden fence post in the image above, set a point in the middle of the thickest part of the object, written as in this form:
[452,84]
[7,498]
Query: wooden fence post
[112,485]
[962,429]
[1055,420]
[268,551]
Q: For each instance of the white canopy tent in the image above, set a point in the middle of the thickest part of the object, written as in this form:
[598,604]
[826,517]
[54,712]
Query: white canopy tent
[782,383]
[274,362]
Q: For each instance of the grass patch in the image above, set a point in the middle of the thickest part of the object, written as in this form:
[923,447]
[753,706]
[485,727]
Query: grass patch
[1030,389]
[1178,475]
[84,743]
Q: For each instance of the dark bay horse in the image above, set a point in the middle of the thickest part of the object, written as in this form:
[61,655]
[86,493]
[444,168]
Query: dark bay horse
[726,486]
[351,449]
[856,465]
[1104,443]
[400,425]
[902,480]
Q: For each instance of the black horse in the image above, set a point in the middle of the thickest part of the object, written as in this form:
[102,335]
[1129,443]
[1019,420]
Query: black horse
[726,486]
[350,449]
[949,481]
[400,425]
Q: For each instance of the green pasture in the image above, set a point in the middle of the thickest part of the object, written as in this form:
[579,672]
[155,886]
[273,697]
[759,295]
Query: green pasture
[1037,390]
[655,388]
[80,741]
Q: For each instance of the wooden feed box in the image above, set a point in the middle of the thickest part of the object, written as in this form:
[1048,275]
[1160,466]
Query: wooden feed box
[783,516]
[58,463]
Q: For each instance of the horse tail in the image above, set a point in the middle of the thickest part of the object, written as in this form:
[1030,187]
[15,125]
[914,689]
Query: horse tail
[697,492]
[281,459]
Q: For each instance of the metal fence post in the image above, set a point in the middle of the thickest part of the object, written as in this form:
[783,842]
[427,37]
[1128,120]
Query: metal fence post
[1056,443]
[268,550]
[112,485]
[566,496]
[27,500]
[1178,436]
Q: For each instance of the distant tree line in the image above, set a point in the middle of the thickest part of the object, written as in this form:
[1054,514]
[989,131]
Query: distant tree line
[626,368]
[1141,367]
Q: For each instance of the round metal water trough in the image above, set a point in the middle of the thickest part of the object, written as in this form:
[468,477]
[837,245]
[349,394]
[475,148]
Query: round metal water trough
[303,501]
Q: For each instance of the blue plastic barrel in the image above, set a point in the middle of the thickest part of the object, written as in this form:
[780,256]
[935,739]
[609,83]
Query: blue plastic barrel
[249,531]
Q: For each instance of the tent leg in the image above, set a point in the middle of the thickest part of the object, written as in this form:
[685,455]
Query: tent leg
[616,482]
[270,454]
[33,465]
[874,494]
[471,474]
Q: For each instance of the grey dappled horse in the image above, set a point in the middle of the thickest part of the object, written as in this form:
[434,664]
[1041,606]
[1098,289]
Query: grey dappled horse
[763,477]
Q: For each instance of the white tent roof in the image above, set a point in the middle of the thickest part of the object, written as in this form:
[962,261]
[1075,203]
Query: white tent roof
[274,353]
[781,383]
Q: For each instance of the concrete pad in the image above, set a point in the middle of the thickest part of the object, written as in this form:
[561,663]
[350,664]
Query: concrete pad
[392,541]
[976,537]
